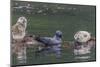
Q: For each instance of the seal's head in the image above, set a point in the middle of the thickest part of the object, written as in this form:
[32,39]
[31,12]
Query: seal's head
[22,20]
[82,36]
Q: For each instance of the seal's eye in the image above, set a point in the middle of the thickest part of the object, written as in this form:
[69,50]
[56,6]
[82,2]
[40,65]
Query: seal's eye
[85,35]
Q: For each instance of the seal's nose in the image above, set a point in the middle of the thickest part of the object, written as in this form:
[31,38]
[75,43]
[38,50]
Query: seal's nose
[77,38]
